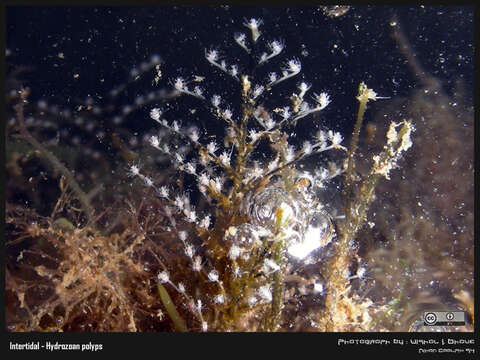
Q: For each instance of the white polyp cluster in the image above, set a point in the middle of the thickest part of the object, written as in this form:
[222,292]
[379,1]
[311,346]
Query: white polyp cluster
[307,148]
[219,299]
[322,100]
[258,90]
[276,47]
[155,114]
[205,222]
[213,276]
[227,114]
[290,153]
[181,288]
[190,215]
[270,266]
[272,78]
[212,147]
[305,109]
[335,137]
[163,192]
[182,235]
[252,300]
[273,214]
[134,170]
[303,87]
[163,277]
[216,101]
[213,57]
[255,172]
[189,251]
[197,264]
[254,135]
[155,142]
[253,25]
[175,126]
[234,70]
[240,39]
[265,293]
[190,168]
[225,159]
[181,86]
[234,252]
[291,68]
[194,135]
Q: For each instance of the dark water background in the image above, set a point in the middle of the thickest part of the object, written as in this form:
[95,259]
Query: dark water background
[102,44]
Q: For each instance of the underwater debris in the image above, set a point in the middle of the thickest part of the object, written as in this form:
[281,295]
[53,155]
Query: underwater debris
[335,11]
